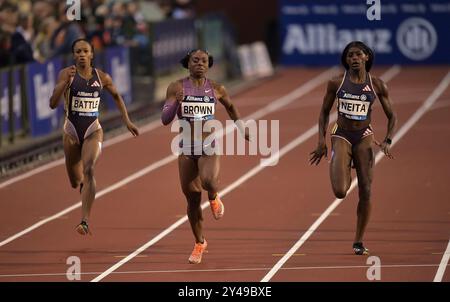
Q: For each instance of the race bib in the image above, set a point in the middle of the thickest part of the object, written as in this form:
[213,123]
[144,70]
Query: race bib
[197,110]
[85,105]
[353,109]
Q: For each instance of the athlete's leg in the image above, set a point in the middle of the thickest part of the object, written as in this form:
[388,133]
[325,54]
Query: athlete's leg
[340,167]
[90,152]
[74,166]
[209,167]
[364,160]
[190,184]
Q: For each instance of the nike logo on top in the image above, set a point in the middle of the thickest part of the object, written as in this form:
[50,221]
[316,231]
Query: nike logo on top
[95,84]
[207,91]
[367,88]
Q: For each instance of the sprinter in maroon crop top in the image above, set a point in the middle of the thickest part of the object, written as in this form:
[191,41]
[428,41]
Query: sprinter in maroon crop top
[352,136]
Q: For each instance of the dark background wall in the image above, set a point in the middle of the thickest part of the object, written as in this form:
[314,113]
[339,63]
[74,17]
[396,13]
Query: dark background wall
[253,20]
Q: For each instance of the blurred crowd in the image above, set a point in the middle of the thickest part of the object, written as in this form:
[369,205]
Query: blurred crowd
[38,30]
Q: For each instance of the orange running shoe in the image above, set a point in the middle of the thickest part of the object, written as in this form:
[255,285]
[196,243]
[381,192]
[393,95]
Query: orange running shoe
[217,207]
[83,228]
[197,253]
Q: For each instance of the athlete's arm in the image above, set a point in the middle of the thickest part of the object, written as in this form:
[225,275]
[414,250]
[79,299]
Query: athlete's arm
[108,85]
[324,119]
[62,84]
[383,95]
[232,111]
[174,96]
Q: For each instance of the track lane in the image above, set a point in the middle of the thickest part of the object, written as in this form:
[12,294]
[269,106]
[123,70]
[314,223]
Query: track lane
[77,245]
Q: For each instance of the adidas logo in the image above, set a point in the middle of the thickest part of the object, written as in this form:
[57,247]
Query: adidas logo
[367,88]
[367,132]
[95,84]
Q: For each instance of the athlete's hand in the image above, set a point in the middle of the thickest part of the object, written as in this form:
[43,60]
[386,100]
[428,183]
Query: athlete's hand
[70,73]
[316,155]
[385,148]
[133,129]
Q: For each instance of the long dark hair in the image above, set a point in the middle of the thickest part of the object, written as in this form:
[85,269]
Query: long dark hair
[185,60]
[366,49]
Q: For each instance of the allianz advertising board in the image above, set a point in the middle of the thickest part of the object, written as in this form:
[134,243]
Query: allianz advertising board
[314,32]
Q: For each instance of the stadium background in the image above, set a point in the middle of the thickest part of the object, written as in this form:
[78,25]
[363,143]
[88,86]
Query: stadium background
[141,51]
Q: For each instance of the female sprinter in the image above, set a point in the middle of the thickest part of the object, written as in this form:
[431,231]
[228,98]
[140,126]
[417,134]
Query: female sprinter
[194,100]
[352,135]
[81,85]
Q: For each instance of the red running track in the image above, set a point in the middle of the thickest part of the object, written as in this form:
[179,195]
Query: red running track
[267,209]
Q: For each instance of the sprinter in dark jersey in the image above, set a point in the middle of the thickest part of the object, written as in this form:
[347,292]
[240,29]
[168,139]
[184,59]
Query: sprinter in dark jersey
[352,136]
[81,85]
[194,100]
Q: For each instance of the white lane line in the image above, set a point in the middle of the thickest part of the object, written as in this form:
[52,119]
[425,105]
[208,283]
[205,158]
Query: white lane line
[274,158]
[117,139]
[266,162]
[222,270]
[285,100]
[443,265]
[403,130]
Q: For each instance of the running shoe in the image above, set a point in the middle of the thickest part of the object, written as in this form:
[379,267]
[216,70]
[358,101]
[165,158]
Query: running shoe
[217,207]
[359,249]
[197,253]
[83,228]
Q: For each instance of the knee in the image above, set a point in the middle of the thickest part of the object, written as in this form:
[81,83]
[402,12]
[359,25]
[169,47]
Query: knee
[340,193]
[193,199]
[209,184]
[89,171]
[75,184]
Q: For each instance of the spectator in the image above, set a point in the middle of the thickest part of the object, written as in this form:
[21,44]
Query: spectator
[5,49]
[20,49]
[183,9]
[26,27]
[41,44]
[65,34]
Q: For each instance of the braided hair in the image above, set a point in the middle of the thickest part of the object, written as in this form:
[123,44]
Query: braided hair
[366,49]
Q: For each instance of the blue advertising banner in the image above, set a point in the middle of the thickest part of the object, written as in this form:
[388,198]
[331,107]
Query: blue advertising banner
[408,32]
[117,65]
[172,39]
[4,101]
[17,99]
[41,79]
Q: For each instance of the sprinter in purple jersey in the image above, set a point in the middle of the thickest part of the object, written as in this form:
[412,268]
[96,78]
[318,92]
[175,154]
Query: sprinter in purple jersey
[352,135]
[194,99]
[81,85]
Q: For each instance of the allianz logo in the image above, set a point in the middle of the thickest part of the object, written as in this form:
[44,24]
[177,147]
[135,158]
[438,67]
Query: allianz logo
[328,39]
[416,38]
